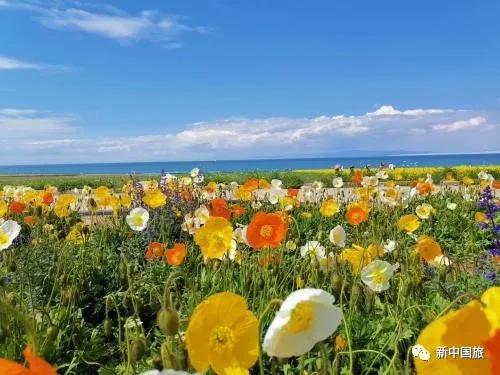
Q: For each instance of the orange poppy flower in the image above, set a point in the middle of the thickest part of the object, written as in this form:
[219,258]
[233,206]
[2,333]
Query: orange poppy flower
[48,198]
[154,251]
[424,188]
[219,208]
[37,365]
[238,210]
[496,184]
[251,185]
[355,215]
[293,193]
[186,196]
[176,255]
[492,346]
[266,230]
[264,184]
[358,177]
[17,207]
[29,220]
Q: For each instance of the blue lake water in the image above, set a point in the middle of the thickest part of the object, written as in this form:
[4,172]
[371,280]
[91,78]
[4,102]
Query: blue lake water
[252,165]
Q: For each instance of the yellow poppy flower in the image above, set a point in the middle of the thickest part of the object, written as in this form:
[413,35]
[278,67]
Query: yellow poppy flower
[359,257]
[61,210]
[409,223]
[480,217]
[3,208]
[471,327]
[223,335]
[491,300]
[214,238]
[243,194]
[154,199]
[125,200]
[467,181]
[329,207]
[66,199]
[78,234]
[428,249]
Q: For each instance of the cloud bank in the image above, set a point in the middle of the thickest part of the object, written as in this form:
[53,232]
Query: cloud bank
[33,136]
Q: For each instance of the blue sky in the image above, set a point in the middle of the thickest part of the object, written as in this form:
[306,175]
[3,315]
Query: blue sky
[181,80]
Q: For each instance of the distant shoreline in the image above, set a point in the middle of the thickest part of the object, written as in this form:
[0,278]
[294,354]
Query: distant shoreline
[306,158]
[255,165]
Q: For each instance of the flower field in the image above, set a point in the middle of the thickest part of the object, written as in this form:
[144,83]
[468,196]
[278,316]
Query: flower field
[183,274]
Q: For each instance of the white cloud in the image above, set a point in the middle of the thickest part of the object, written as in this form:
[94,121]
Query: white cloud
[47,137]
[7,63]
[108,21]
[471,123]
[26,124]
[389,110]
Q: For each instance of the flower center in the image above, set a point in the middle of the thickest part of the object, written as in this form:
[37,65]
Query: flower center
[337,237]
[221,339]
[4,238]
[379,276]
[138,221]
[266,231]
[301,318]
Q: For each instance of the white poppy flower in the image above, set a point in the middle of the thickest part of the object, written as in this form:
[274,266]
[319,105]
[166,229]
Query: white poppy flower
[168,178]
[137,219]
[9,230]
[276,184]
[198,179]
[337,182]
[317,185]
[483,175]
[377,274]
[194,172]
[391,166]
[337,236]
[389,246]
[274,196]
[424,210]
[382,175]
[186,181]
[429,180]
[441,260]
[233,251]
[369,181]
[202,214]
[313,249]
[240,235]
[451,206]
[306,317]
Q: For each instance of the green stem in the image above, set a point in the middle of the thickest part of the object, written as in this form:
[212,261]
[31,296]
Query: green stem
[261,319]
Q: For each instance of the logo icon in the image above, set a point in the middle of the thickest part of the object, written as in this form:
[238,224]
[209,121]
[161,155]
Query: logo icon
[420,352]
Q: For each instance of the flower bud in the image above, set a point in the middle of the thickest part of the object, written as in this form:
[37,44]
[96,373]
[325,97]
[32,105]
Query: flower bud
[137,350]
[107,326]
[52,333]
[168,321]
[337,283]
